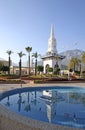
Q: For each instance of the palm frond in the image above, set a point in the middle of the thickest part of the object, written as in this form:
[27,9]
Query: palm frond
[21,54]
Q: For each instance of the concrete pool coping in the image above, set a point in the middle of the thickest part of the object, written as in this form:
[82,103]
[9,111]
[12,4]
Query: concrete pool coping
[12,121]
[5,87]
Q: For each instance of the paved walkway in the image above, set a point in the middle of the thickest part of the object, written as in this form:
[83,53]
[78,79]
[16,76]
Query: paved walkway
[5,87]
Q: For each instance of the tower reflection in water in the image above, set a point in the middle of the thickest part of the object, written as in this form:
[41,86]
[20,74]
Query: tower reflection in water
[58,106]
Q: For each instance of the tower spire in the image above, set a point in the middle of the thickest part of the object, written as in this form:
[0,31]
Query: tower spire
[52,42]
[52,31]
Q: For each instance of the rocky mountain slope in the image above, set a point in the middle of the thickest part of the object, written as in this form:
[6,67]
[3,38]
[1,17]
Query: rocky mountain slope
[70,54]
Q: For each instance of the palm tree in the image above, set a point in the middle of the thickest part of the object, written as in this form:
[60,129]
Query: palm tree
[20,62]
[80,66]
[73,62]
[83,58]
[28,49]
[36,55]
[9,52]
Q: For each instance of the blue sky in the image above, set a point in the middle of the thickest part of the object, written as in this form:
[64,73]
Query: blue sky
[26,23]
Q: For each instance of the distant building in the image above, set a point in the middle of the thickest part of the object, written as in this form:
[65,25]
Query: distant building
[50,59]
[24,70]
[4,62]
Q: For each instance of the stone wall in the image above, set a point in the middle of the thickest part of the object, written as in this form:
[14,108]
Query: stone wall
[12,121]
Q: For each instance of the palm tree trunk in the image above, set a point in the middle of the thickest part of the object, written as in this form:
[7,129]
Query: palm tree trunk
[80,69]
[35,66]
[20,68]
[74,67]
[29,63]
[9,66]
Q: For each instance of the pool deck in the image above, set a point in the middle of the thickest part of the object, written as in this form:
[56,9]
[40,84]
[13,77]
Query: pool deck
[5,87]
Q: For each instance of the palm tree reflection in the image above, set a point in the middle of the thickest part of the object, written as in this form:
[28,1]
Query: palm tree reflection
[35,98]
[28,106]
[19,102]
[8,102]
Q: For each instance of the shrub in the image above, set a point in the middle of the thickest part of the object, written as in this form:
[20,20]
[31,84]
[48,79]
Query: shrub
[77,72]
[50,69]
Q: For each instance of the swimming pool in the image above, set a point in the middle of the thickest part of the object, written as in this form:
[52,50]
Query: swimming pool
[57,105]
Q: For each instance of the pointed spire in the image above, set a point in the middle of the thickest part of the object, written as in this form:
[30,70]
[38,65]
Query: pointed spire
[52,31]
[52,42]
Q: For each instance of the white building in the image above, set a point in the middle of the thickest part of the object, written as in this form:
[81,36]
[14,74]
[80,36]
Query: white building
[49,60]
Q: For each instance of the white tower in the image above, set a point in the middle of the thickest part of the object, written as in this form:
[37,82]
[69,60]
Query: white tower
[52,42]
[49,60]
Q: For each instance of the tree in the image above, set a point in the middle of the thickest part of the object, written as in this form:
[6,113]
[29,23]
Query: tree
[36,55]
[5,68]
[28,49]
[9,52]
[83,58]
[73,63]
[1,64]
[50,69]
[83,61]
[40,68]
[80,67]
[21,54]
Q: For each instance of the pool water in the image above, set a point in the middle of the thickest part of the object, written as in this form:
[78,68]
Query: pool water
[56,105]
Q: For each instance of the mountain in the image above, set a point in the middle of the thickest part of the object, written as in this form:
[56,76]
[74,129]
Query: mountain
[70,54]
